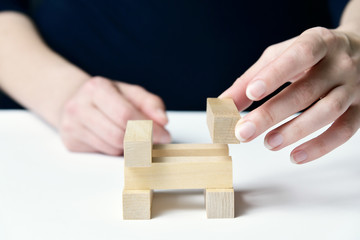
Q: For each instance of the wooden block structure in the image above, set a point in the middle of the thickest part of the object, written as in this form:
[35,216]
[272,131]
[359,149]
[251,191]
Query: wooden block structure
[151,167]
[222,116]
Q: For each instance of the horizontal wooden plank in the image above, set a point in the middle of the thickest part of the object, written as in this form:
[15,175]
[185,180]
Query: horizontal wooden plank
[169,150]
[182,173]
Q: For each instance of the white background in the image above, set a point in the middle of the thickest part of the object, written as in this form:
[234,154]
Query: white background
[48,193]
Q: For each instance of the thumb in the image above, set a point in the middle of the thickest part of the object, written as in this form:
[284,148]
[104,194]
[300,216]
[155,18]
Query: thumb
[148,103]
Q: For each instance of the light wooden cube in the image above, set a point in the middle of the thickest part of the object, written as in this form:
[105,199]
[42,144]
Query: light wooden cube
[137,204]
[138,143]
[222,116]
[220,203]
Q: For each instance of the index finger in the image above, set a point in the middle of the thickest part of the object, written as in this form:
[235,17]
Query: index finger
[306,51]
[238,90]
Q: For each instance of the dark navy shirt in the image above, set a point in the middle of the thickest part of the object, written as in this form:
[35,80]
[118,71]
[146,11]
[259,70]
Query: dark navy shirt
[183,50]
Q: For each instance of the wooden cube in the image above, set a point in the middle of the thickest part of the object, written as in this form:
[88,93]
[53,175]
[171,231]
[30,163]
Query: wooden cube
[222,116]
[138,143]
[220,203]
[137,204]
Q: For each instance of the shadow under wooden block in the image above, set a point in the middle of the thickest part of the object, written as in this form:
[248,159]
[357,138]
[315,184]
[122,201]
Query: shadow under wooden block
[220,203]
[138,143]
[222,116]
[137,204]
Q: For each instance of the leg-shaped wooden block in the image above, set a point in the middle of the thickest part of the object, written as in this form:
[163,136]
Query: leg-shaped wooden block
[222,116]
[137,204]
[219,203]
[138,143]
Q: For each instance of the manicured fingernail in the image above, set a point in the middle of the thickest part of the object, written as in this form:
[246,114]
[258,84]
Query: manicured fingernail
[299,157]
[245,130]
[255,90]
[274,140]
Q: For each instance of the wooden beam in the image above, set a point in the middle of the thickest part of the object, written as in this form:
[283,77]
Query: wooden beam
[137,204]
[219,203]
[222,116]
[181,173]
[183,150]
[138,143]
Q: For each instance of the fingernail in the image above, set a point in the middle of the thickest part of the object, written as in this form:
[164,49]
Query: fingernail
[245,130]
[299,157]
[256,89]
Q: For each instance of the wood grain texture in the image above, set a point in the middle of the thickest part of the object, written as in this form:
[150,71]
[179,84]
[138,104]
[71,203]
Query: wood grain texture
[180,150]
[137,204]
[138,143]
[222,116]
[220,203]
[181,173]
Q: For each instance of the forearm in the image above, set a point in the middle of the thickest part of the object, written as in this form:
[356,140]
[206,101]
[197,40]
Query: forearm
[33,74]
[350,20]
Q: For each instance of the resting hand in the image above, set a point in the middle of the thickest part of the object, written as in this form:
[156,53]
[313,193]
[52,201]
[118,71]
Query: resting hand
[94,119]
[324,68]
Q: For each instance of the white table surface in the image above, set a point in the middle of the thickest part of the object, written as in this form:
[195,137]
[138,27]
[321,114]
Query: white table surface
[47,192]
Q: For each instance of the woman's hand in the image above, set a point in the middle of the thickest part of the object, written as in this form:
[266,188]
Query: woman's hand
[94,119]
[324,68]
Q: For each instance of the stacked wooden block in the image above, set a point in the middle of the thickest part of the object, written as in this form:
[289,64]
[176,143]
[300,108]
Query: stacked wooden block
[150,167]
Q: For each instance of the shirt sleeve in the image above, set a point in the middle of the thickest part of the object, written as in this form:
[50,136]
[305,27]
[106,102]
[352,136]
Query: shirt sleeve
[14,5]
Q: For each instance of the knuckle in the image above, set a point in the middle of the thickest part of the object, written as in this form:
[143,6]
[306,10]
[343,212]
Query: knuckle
[126,113]
[134,88]
[303,94]
[347,64]
[347,131]
[269,51]
[98,80]
[71,108]
[305,48]
[156,99]
[316,43]
[327,35]
[336,105]
[266,116]
[89,87]
[297,131]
